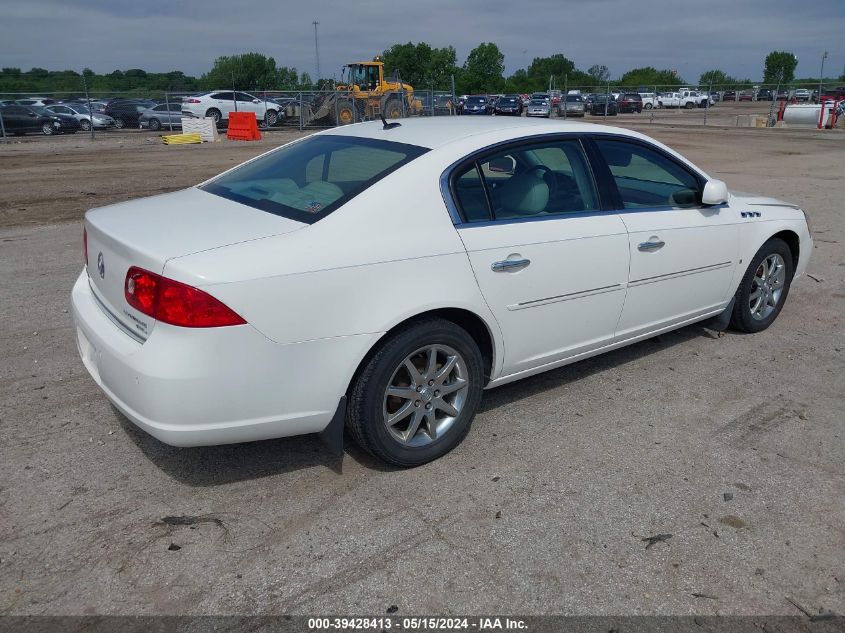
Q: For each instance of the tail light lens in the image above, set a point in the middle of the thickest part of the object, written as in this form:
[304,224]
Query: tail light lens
[174,302]
[192,101]
[85,244]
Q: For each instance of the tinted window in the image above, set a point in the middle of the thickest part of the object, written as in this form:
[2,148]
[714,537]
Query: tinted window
[242,96]
[14,110]
[225,96]
[528,181]
[574,98]
[307,180]
[475,100]
[648,178]
[160,108]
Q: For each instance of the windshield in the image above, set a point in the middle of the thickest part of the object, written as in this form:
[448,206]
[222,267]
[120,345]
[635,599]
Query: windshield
[538,102]
[508,100]
[477,100]
[307,180]
[574,98]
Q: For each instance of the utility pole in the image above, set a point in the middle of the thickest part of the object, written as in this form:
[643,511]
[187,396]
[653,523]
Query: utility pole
[316,49]
[821,76]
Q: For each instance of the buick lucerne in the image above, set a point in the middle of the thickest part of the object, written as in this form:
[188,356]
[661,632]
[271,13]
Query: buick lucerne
[379,278]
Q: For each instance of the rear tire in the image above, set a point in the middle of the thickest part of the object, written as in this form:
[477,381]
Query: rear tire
[119,123]
[410,430]
[764,287]
[215,114]
[690,105]
[648,106]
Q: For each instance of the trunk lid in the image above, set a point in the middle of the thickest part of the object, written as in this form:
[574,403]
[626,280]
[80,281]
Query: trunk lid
[149,231]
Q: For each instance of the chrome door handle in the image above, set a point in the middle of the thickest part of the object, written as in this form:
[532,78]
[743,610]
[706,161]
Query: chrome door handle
[651,246]
[509,265]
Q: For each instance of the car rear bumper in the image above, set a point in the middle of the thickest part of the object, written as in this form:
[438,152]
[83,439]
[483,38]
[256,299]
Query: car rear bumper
[207,386]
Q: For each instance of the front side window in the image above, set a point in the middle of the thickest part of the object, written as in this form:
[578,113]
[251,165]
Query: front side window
[307,180]
[536,180]
[647,178]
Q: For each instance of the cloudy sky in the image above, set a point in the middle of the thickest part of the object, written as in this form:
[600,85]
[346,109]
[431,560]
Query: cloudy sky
[161,35]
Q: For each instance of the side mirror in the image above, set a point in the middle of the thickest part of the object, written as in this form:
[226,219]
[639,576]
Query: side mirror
[256,100]
[715,192]
[502,165]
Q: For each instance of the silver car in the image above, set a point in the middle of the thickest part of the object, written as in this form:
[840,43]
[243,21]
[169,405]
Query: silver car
[539,107]
[572,105]
[163,115]
[81,113]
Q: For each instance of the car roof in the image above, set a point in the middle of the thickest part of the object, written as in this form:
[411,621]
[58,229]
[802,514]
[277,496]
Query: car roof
[436,132]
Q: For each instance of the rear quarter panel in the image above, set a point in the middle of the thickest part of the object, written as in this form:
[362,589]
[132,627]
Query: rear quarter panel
[390,253]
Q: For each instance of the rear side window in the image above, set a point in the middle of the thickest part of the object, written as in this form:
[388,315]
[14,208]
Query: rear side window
[646,178]
[307,180]
[536,180]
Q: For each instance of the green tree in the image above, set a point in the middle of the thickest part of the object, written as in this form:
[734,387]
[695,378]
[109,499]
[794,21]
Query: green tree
[649,76]
[779,65]
[599,74]
[483,69]
[249,71]
[420,65]
[546,70]
[716,78]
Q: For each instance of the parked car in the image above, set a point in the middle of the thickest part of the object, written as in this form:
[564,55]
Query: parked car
[802,94]
[649,100]
[573,105]
[508,105]
[539,108]
[746,95]
[126,112]
[35,101]
[630,102]
[764,94]
[220,103]
[477,105]
[20,119]
[589,99]
[730,95]
[162,116]
[604,105]
[443,104]
[83,115]
[182,310]
[715,96]
[834,94]
[782,95]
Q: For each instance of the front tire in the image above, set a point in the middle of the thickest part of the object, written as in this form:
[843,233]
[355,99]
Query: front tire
[414,399]
[215,114]
[764,287]
[86,125]
[119,123]
[47,129]
[393,109]
[155,125]
[271,117]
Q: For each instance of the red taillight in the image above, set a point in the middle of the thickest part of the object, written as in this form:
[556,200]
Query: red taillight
[174,302]
[192,101]
[85,244]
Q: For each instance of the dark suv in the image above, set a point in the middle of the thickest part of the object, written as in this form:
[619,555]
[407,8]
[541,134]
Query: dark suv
[605,104]
[630,102]
[127,112]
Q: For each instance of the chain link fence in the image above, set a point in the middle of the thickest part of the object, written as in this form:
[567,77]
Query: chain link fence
[99,113]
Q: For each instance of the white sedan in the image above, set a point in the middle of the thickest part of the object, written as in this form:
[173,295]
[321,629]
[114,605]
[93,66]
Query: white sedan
[379,277]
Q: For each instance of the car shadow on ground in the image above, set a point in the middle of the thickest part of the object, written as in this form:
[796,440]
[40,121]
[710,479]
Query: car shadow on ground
[220,465]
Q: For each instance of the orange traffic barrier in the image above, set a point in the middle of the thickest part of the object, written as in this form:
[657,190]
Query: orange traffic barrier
[243,127]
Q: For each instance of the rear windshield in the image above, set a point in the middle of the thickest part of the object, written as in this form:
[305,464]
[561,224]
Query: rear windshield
[307,180]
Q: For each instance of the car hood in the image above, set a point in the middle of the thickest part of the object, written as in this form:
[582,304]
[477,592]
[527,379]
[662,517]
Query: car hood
[741,197]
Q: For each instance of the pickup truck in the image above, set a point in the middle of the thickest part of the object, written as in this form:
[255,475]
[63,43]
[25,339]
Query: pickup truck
[685,99]
[649,100]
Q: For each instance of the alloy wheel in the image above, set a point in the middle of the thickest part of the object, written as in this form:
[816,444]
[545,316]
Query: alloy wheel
[425,395]
[767,286]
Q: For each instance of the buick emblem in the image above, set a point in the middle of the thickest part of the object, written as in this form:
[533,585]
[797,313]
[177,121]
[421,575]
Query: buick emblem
[101,265]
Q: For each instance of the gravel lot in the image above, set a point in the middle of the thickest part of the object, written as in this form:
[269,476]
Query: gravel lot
[732,445]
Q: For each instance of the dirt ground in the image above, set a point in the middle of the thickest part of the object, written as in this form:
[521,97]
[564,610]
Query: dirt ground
[732,445]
